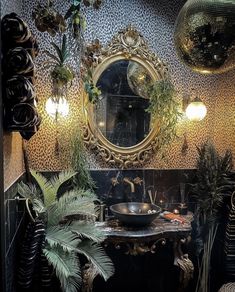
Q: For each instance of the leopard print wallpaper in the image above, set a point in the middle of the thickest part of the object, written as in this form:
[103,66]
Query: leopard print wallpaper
[12,142]
[155,20]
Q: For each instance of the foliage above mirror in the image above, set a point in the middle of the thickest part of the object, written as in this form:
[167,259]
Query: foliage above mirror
[154,86]
[164,108]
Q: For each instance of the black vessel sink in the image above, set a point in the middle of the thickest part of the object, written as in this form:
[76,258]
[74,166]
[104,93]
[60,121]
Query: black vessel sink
[135,214]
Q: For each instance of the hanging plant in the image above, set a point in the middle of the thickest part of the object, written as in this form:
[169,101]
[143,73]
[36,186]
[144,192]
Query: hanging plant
[89,60]
[61,73]
[77,21]
[47,19]
[83,180]
[95,3]
[91,89]
[164,108]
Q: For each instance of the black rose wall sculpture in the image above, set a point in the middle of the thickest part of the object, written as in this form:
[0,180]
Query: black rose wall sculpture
[19,48]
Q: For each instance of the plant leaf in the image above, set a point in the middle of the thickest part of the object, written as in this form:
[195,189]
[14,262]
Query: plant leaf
[52,56]
[98,257]
[88,230]
[58,51]
[67,268]
[63,237]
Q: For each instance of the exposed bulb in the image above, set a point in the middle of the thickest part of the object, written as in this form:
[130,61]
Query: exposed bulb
[196,110]
[56,106]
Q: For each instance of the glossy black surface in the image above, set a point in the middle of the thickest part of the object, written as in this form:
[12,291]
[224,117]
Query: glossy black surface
[135,214]
[166,184]
[13,233]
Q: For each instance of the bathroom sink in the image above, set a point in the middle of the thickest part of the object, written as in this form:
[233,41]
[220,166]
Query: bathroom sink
[135,214]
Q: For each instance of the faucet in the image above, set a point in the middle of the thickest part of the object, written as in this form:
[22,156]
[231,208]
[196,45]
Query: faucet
[128,181]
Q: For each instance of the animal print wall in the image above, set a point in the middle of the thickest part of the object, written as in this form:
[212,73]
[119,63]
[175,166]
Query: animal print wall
[155,20]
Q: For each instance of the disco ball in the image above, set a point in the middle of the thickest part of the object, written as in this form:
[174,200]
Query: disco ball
[138,79]
[205,35]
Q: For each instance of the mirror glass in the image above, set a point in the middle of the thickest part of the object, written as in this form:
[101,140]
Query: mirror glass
[121,114]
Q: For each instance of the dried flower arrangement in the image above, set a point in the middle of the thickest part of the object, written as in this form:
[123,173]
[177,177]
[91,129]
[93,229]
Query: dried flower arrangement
[213,184]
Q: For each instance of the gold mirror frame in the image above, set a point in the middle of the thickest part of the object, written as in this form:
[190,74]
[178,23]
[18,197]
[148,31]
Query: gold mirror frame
[128,44]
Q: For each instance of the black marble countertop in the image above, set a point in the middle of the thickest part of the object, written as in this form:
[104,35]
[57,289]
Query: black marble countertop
[160,227]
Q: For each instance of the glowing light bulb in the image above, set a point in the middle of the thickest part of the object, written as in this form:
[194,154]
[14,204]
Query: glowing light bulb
[196,110]
[56,106]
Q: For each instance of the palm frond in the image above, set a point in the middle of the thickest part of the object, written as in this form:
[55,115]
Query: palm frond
[83,206]
[25,190]
[71,203]
[67,268]
[95,253]
[45,186]
[50,187]
[88,230]
[57,180]
[87,193]
[62,236]
[38,206]
[68,198]
[30,192]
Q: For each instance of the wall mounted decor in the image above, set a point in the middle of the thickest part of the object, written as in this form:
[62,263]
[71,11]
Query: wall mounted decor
[121,126]
[19,98]
[205,35]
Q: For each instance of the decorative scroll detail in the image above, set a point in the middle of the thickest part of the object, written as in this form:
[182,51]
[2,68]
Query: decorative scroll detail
[137,247]
[114,157]
[184,263]
[127,44]
[130,43]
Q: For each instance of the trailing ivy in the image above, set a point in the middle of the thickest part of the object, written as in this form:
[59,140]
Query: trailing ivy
[164,110]
[83,179]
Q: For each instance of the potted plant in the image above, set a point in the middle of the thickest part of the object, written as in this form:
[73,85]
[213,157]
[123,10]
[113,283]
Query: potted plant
[65,238]
[213,183]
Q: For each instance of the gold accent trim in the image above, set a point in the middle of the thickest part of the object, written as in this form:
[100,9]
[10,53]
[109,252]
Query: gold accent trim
[127,44]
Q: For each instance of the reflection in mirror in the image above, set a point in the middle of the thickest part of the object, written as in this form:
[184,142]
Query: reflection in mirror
[121,112]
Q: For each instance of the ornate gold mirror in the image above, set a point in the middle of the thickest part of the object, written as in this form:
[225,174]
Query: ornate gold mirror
[118,126]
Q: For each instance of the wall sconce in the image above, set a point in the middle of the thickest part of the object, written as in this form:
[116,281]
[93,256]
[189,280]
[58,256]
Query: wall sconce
[57,106]
[196,110]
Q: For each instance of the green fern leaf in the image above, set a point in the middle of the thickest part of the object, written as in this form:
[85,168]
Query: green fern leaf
[98,257]
[57,180]
[67,268]
[76,202]
[49,195]
[62,236]
[87,230]
[25,191]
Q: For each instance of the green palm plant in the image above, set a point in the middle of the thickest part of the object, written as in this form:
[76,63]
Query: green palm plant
[66,239]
